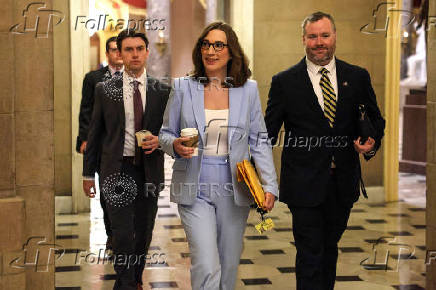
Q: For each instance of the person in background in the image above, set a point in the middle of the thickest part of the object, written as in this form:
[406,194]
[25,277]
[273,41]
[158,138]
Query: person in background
[114,67]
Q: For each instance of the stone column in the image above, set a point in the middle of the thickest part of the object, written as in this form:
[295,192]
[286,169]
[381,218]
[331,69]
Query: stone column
[431,146]
[80,65]
[211,11]
[187,22]
[242,21]
[27,144]
[62,104]
[159,64]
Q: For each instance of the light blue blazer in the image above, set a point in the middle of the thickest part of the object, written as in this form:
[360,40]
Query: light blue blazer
[247,136]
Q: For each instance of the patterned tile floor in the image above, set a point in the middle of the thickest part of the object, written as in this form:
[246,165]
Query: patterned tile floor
[383,248]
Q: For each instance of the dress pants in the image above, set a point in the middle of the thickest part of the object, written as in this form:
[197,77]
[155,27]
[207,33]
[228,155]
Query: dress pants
[317,231]
[214,227]
[107,223]
[132,227]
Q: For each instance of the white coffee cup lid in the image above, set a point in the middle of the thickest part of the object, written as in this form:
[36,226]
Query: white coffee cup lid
[189,131]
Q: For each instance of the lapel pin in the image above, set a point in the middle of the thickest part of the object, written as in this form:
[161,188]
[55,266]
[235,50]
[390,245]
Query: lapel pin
[345,84]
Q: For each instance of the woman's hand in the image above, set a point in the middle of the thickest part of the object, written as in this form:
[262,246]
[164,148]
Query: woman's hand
[182,150]
[269,201]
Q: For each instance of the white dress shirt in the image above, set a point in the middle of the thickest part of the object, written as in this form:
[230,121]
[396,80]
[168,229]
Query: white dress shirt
[113,70]
[128,89]
[315,77]
[130,139]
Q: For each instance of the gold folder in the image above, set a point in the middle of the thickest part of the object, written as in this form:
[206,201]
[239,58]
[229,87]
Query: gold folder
[247,173]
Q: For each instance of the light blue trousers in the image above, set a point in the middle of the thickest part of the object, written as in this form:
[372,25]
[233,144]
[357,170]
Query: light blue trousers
[214,227]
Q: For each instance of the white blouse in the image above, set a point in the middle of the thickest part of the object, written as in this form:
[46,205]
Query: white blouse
[216,132]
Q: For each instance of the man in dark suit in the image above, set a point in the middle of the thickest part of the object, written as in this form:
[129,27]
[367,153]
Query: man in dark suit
[114,67]
[130,176]
[317,100]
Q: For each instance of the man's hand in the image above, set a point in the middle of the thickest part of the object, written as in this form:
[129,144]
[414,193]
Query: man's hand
[89,188]
[368,146]
[83,147]
[269,201]
[150,143]
[182,150]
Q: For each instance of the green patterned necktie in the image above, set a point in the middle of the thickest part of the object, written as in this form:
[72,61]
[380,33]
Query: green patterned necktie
[329,97]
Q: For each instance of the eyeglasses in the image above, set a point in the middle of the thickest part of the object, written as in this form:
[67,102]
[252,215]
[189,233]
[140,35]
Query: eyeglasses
[217,46]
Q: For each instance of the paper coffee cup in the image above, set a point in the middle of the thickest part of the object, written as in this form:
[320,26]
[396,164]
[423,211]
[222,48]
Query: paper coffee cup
[192,133]
[140,136]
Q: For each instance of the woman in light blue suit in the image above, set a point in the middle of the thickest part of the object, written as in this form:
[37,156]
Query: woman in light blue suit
[223,105]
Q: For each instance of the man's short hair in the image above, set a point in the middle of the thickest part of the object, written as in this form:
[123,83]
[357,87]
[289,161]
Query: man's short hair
[109,40]
[130,33]
[314,17]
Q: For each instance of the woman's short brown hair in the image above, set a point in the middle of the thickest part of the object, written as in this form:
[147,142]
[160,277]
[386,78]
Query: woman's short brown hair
[237,67]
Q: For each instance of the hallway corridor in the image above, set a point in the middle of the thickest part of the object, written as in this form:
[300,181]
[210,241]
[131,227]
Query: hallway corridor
[267,261]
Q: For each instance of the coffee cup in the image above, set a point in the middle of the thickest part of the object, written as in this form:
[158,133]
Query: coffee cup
[140,136]
[192,134]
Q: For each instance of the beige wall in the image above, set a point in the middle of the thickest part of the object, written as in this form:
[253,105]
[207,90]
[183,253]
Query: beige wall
[278,45]
[431,148]
[27,147]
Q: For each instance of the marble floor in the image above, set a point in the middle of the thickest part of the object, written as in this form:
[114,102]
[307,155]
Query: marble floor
[383,248]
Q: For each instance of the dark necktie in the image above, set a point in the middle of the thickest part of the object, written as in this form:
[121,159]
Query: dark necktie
[117,73]
[329,97]
[137,105]
[138,113]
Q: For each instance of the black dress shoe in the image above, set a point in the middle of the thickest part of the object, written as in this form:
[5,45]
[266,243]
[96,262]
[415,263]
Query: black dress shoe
[109,243]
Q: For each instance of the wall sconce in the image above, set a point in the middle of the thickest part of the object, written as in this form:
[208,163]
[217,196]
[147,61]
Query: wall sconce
[405,37]
[161,45]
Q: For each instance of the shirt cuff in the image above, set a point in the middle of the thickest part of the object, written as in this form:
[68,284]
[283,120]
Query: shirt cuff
[88,178]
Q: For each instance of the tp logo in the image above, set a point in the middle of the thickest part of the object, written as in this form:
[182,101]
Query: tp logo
[37,254]
[33,15]
[376,28]
[405,252]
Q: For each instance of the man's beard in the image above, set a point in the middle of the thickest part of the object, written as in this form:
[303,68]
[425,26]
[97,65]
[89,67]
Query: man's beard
[321,60]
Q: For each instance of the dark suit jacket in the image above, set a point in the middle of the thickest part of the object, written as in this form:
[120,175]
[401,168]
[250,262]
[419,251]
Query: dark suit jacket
[107,130]
[86,105]
[310,143]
